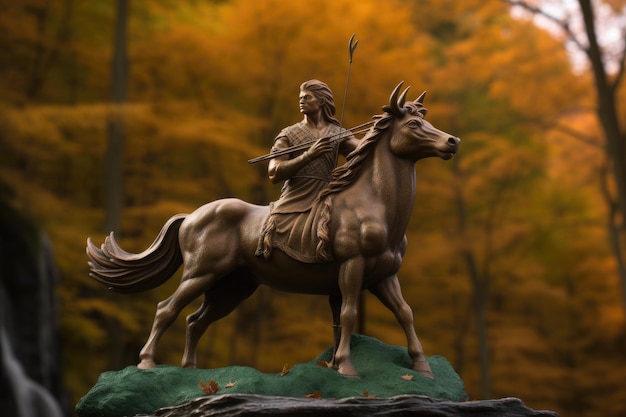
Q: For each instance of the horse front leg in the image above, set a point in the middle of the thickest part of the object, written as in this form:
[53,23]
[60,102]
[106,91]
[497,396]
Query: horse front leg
[350,283]
[335,307]
[388,291]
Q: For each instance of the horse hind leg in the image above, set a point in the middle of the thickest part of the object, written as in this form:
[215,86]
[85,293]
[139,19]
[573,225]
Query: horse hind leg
[218,302]
[189,356]
[167,312]
[389,293]
[210,248]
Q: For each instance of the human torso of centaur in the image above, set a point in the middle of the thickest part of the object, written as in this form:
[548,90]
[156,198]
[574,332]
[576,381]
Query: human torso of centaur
[300,191]
[292,224]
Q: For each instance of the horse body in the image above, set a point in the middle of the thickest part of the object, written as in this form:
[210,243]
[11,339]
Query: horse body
[371,200]
[225,234]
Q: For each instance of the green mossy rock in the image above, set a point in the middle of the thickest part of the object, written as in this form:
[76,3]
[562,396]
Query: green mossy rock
[134,391]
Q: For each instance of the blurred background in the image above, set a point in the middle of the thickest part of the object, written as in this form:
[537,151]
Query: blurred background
[116,115]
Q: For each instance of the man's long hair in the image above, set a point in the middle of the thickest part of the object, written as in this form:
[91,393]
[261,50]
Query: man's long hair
[324,93]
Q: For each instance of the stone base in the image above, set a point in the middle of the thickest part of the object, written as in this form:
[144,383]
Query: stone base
[243,405]
[385,382]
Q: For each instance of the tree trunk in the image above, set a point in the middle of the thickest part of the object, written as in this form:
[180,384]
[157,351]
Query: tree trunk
[114,155]
[115,128]
[606,111]
[480,293]
[606,86]
[47,53]
[614,229]
[480,298]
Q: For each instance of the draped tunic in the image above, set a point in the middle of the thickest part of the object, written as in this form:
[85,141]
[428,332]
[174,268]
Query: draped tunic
[291,225]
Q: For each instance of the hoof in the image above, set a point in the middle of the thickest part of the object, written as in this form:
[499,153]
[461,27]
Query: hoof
[423,368]
[146,364]
[348,370]
[427,374]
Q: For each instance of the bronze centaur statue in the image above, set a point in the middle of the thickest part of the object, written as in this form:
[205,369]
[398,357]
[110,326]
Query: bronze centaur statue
[368,205]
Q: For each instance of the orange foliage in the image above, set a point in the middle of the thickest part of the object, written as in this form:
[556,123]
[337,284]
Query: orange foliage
[211,83]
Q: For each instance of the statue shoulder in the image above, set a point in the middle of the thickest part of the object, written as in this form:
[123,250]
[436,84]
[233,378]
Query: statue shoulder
[294,129]
[335,128]
[294,134]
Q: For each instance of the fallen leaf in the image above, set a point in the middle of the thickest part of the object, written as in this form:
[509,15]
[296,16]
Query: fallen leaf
[407,377]
[316,394]
[231,384]
[209,388]
[368,395]
[323,363]
[285,371]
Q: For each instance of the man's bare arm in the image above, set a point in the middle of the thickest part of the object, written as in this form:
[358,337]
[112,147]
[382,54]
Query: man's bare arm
[348,145]
[282,168]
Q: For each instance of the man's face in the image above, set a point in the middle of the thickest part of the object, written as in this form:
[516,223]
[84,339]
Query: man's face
[308,102]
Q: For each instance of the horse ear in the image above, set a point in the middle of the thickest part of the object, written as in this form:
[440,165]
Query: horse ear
[393,107]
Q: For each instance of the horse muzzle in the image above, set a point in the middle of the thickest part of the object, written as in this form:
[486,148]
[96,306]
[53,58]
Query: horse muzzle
[452,146]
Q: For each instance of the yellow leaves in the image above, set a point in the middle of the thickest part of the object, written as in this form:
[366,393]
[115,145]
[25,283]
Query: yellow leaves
[46,128]
[537,63]
[316,394]
[282,43]
[212,84]
[611,320]
[224,129]
[576,141]
[64,131]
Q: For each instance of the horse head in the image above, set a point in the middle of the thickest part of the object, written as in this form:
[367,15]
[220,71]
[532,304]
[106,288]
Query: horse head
[415,138]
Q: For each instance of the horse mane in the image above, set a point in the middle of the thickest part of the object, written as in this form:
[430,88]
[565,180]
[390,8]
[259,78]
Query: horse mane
[344,175]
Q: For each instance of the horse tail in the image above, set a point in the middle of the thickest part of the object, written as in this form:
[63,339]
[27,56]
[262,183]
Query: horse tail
[126,272]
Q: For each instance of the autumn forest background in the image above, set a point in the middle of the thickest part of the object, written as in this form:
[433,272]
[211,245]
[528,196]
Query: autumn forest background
[515,267]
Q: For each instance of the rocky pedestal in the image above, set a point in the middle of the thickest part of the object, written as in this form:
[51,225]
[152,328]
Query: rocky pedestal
[240,405]
[387,386]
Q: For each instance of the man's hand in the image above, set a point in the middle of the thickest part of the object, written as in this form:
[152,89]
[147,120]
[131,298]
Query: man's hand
[319,148]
